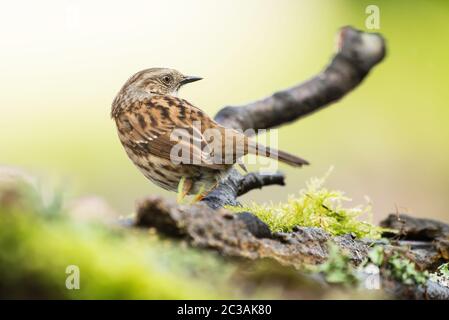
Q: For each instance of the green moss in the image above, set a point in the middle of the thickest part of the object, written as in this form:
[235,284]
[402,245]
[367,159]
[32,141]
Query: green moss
[376,255]
[316,206]
[338,269]
[38,241]
[35,253]
[404,270]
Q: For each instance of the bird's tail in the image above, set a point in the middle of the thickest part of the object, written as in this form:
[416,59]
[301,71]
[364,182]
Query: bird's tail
[261,150]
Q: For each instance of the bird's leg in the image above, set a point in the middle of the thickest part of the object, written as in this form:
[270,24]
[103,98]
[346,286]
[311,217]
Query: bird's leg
[200,195]
[184,187]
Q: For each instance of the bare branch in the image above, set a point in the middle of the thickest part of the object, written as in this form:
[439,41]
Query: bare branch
[257,181]
[358,52]
[236,185]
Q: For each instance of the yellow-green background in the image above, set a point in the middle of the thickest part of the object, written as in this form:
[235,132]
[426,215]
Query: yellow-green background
[62,62]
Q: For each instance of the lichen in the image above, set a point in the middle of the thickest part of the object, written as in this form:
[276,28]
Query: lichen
[441,275]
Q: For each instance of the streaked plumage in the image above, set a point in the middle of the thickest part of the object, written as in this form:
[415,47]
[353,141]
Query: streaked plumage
[146,111]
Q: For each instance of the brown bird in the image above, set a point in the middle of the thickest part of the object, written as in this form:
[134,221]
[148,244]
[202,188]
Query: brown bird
[148,113]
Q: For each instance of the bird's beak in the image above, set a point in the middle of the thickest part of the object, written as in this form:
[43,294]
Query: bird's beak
[189,79]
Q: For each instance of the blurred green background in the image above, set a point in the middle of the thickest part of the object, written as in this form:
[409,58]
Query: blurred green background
[64,61]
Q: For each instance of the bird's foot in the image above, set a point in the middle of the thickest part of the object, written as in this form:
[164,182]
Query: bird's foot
[184,187]
[200,195]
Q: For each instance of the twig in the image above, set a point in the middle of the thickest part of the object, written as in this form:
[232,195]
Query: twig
[257,181]
[236,185]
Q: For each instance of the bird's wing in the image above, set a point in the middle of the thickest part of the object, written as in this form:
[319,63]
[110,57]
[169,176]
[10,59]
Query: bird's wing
[170,128]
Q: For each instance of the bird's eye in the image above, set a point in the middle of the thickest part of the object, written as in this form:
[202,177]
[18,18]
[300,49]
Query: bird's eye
[167,79]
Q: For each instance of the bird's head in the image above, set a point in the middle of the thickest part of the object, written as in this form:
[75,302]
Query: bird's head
[162,81]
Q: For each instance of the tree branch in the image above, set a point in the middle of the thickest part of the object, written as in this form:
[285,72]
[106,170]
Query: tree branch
[236,185]
[425,242]
[358,52]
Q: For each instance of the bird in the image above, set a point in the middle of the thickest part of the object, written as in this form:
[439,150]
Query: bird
[148,112]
